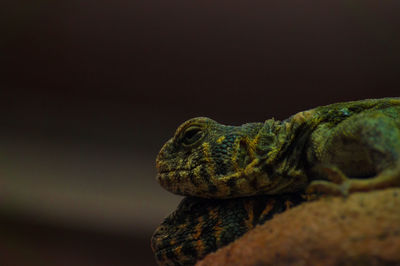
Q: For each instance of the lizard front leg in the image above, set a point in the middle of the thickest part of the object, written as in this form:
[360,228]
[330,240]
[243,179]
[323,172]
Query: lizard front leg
[338,183]
[361,153]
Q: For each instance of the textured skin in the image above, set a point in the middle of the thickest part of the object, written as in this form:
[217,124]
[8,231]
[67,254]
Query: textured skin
[200,226]
[333,149]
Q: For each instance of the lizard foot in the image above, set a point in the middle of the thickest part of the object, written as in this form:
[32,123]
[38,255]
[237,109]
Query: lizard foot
[338,183]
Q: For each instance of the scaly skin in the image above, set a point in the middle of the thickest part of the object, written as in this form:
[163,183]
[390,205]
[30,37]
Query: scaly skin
[358,139]
[200,226]
[334,149]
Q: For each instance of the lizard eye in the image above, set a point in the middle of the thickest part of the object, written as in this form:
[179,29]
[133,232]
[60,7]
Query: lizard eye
[192,135]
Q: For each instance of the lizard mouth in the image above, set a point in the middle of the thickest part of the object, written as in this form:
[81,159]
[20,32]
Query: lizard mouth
[173,180]
[176,170]
[174,174]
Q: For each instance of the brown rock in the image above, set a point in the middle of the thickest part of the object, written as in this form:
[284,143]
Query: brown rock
[363,229]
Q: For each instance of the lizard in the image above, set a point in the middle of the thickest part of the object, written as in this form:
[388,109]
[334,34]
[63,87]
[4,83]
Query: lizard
[335,149]
[200,226]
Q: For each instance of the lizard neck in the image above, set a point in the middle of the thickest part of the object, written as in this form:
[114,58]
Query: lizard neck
[278,139]
[282,152]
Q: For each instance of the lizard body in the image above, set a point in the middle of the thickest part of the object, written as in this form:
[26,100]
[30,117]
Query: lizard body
[334,149]
[200,226]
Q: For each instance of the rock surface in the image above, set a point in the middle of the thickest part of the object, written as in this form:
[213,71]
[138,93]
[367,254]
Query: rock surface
[362,229]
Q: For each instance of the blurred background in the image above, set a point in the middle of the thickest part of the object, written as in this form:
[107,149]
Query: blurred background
[90,91]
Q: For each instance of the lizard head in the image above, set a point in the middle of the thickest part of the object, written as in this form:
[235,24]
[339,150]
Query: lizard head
[208,159]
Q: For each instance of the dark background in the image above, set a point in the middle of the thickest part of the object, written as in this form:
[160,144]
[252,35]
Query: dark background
[90,90]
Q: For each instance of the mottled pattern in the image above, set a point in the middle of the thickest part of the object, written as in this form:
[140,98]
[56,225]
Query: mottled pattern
[333,149]
[200,226]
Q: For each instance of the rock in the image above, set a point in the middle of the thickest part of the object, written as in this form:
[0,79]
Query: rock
[362,229]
